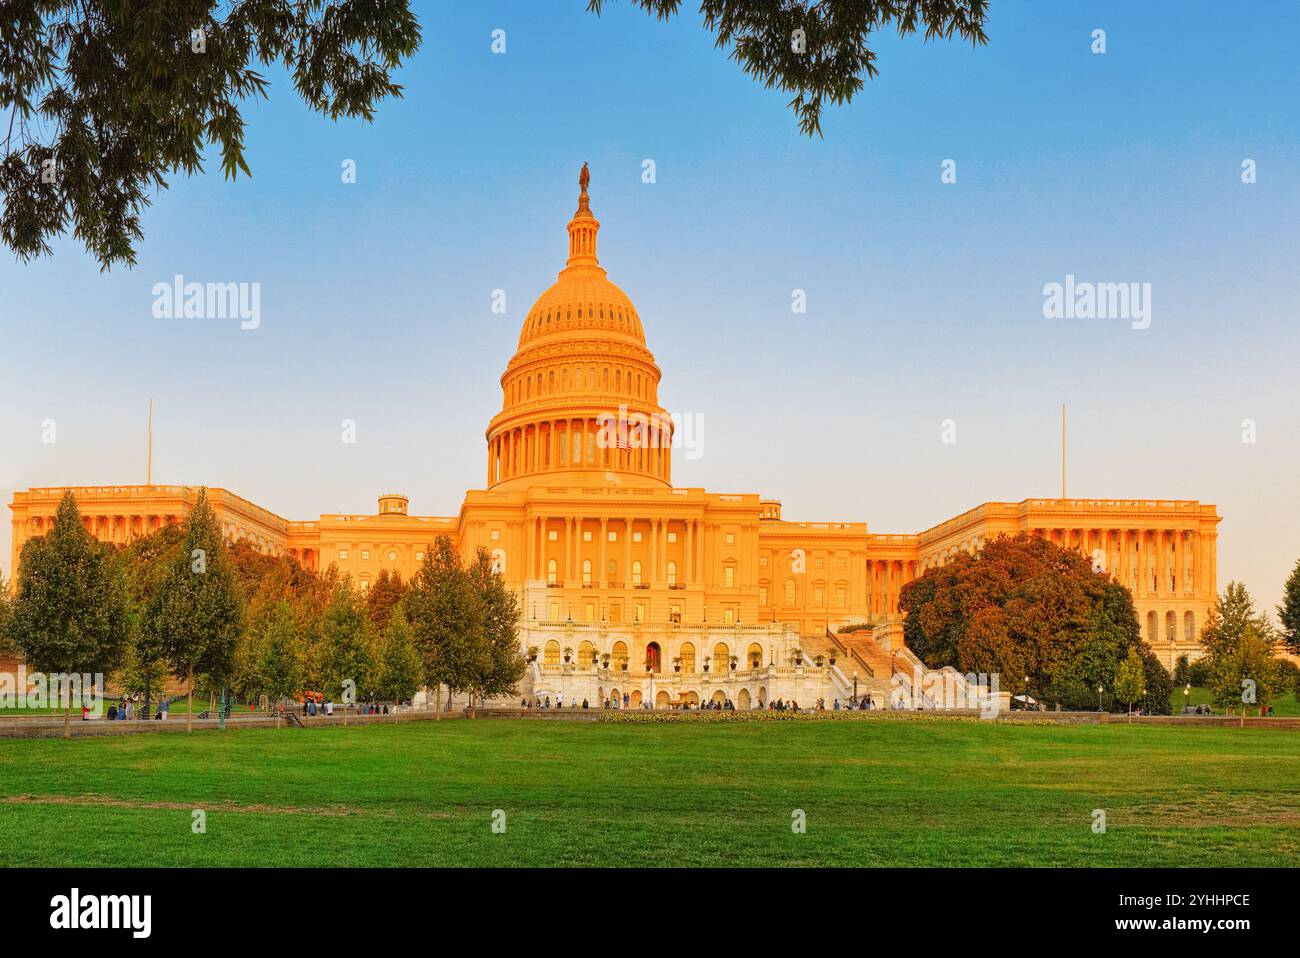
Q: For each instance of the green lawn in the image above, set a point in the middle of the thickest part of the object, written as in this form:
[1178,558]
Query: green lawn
[883,792]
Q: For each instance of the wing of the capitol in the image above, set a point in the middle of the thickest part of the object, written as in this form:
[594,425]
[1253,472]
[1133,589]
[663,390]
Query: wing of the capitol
[631,586]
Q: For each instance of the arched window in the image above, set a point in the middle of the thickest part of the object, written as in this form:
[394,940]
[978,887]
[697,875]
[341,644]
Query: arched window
[618,655]
[721,657]
[586,572]
[586,653]
[672,573]
[1189,627]
[789,591]
[636,572]
[550,572]
[687,654]
[755,655]
[551,654]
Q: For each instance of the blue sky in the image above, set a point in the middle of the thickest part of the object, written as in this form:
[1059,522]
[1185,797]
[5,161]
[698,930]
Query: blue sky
[924,298]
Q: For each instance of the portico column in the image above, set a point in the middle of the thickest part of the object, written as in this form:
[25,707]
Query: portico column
[568,546]
[627,553]
[604,537]
[1196,560]
[689,563]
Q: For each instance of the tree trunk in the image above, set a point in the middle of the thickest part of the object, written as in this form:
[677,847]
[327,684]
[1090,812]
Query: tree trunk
[189,695]
[67,718]
[437,702]
[473,710]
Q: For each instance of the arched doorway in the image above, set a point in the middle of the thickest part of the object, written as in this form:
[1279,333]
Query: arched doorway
[551,655]
[719,697]
[692,698]
[618,655]
[755,655]
[653,657]
[762,697]
[615,699]
[742,699]
[661,699]
[635,700]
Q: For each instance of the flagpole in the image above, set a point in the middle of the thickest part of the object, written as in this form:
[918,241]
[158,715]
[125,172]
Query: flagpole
[1062,450]
[149,469]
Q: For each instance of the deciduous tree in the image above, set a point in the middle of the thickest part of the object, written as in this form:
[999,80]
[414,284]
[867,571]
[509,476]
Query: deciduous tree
[1024,606]
[1238,640]
[1288,613]
[196,616]
[70,615]
[399,663]
[447,619]
[1130,679]
[347,646]
[502,664]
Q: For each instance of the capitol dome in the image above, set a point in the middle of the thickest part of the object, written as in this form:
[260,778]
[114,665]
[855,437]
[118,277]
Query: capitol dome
[580,396]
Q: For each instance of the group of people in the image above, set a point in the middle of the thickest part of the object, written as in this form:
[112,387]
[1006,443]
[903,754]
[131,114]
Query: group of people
[866,703]
[316,704]
[544,702]
[124,709]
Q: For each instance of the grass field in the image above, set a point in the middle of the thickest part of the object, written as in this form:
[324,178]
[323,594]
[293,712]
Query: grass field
[883,792]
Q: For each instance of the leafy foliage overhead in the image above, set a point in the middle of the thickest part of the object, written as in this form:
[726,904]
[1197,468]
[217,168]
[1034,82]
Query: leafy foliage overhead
[102,101]
[817,49]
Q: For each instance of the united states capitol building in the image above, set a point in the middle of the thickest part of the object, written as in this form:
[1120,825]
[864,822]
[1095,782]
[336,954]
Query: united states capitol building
[670,595]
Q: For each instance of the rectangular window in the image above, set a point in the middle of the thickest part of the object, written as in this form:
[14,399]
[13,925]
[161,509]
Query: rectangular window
[494,535]
[636,537]
[841,597]
[586,535]
[552,535]
[365,554]
[731,538]
[728,616]
[672,537]
[729,576]
[343,553]
[762,595]
[613,537]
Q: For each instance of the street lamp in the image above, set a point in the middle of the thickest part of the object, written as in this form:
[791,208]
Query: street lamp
[1187,691]
[1026,693]
[855,687]
[1099,698]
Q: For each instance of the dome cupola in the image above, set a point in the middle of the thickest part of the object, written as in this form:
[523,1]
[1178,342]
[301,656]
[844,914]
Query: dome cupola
[580,397]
